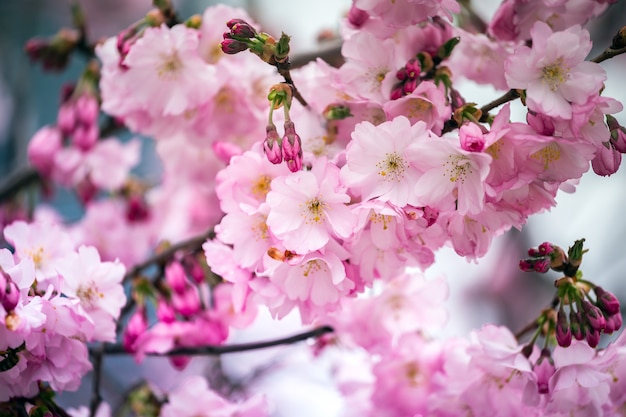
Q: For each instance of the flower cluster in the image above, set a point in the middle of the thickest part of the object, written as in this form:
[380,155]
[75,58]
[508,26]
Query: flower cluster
[55,298]
[389,163]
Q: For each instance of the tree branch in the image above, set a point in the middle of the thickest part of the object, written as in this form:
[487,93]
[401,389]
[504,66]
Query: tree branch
[17,181]
[608,53]
[118,349]
[161,257]
[505,98]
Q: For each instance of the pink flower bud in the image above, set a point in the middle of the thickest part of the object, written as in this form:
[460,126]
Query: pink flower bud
[593,337]
[607,160]
[232,46]
[613,323]
[87,109]
[292,148]
[472,137]
[66,118]
[43,147]
[188,302]
[542,265]
[594,316]
[607,301]
[576,325]
[241,28]
[165,312]
[137,325]
[176,277]
[11,296]
[85,137]
[272,145]
[357,17]
[526,265]
[563,332]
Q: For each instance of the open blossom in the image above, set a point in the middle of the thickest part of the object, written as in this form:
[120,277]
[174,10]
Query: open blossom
[168,75]
[98,286]
[452,176]
[381,160]
[308,207]
[42,244]
[553,72]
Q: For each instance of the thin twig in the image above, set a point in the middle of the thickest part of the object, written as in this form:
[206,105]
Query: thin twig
[194,242]
[608,53]
[18,180]
[118,349]
[96,398]
[505,98]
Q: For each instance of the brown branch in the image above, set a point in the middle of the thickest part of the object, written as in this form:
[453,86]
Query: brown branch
[163,256]
[20,179]
[608,53]
[505,98]
[118,349]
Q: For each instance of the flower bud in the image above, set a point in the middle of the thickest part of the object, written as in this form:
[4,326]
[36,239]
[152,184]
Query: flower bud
[526,265]
[272,145]
[165,312]
[606,301]
[188,303]
[43,148]
[594,316]
[542,265]
[11,296]
[87,109]
[593,337]
[292,147]
[613,323]
[137,325]
[241,28]
[66,118]
[576,325]
[176,277]
[607,160]
[357,17]
[232,46]
[563,331]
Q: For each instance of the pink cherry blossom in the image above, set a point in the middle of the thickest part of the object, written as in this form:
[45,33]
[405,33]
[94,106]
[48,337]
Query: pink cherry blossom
[42,244]
[168,57]
[381,161]
[553,72]
[452,176]
[98,286]
[308,207]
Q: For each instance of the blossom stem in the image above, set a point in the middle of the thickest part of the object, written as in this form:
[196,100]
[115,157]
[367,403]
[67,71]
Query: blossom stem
[608,53]
[535,324]
[96,359]
[194,242]
[118,349]
[505,98]
[284,70]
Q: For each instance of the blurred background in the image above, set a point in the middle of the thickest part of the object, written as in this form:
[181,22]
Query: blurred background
[492,290]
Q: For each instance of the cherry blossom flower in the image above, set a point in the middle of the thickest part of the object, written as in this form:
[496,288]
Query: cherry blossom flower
[452,176]
[308,207]
[98,286]
[553,72]
[168,57]
[42,244]
[381,161]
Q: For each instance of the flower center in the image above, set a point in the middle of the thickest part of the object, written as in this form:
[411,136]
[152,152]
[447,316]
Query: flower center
[170,66]
[314,210]
[89,294]
[457,167]
[38,256]
[547,155]
[261,186]
[555,74]
[259,229]
[313,266]
[392,167]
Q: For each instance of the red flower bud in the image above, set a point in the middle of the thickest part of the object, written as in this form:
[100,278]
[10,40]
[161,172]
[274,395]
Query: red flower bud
[272,145]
